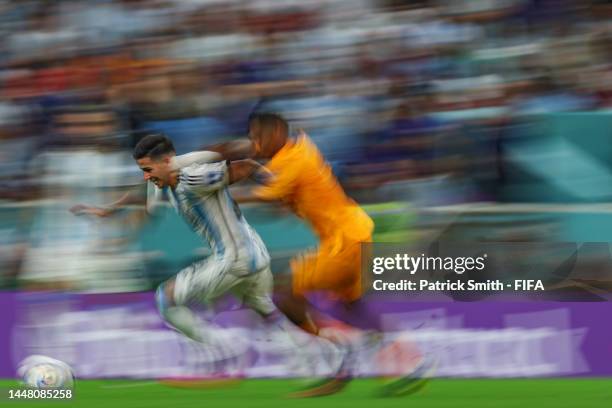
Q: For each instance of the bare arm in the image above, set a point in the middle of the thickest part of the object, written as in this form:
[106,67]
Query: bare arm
[130,197]
[248,196]
[234,150]
[243,169]
[245,197]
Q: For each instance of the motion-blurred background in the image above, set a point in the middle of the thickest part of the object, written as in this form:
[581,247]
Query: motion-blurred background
[422,107]
[472,120]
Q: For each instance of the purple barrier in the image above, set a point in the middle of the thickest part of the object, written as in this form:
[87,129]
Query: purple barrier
[121,335]
[7,322]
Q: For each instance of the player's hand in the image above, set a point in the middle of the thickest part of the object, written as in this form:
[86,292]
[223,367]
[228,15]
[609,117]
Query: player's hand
[81,209]
[263,175]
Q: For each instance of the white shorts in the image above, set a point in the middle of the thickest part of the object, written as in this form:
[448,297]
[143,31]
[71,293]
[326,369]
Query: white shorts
[207,280]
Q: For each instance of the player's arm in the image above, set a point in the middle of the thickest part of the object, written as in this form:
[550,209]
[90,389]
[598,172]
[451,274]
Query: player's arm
[249,196]
[131,197]
[234,150]
[275,186]
[197,157]
[249,169]
[244,169]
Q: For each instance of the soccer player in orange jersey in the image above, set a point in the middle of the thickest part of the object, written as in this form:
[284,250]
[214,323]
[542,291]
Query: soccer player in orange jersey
[301,179]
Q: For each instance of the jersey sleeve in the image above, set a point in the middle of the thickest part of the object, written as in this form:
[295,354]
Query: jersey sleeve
[205,178]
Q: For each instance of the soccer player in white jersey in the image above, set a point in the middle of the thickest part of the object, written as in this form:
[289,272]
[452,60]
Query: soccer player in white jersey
[239,262]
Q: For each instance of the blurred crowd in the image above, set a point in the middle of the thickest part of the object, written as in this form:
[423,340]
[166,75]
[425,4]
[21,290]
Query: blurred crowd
[392,91]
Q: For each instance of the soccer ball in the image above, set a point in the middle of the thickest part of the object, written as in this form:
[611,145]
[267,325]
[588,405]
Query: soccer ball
[45,372]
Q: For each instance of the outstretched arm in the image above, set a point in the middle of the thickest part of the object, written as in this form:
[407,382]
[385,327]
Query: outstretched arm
[134,196]
[243,169]
[234,150]
[245,197]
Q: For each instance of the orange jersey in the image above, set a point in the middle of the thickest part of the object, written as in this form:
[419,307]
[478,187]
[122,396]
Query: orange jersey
[304,181]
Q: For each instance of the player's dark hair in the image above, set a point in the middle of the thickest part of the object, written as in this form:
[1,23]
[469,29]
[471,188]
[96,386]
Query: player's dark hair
[153,146]
[269,120]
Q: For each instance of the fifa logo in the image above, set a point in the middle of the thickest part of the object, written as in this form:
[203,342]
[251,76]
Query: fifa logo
[528,284]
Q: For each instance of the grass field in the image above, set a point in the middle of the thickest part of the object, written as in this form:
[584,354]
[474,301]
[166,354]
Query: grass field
[540,393]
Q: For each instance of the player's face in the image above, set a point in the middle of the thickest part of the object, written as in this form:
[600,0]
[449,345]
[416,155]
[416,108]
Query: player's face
[156,171]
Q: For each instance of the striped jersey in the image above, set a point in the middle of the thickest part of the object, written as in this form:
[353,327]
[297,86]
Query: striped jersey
[202,198]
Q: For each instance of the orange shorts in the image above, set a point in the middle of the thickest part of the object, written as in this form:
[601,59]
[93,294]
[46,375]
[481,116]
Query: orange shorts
[329,268]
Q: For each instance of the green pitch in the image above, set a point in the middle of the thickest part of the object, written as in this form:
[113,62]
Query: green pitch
[541,393]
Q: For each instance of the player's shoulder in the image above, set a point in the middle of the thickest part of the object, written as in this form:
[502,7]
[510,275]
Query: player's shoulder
[197,169]
[204,177]
[202,156]
[306,147]
[295,154]
[310,157]
[191,169]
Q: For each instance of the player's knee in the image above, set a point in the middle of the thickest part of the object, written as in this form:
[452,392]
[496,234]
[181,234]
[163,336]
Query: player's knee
[164,297]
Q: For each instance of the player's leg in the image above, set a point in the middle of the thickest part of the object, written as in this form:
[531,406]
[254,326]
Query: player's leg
[294,306]
[337,273]
[217,349]
[181,317]
[340,274]
[198,283]
[257,294]
[290,293]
